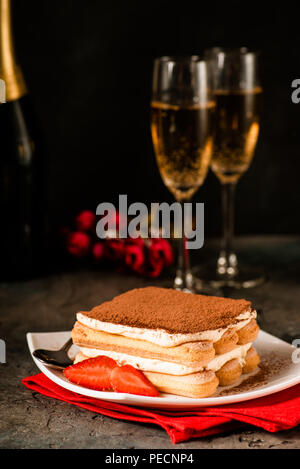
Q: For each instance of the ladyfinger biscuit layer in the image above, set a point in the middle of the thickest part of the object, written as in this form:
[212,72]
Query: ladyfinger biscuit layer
[189,353]
[248,333]
[232,337]
[163,366]
[197,385]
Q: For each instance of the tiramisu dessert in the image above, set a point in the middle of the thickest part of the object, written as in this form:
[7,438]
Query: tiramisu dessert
[185,344]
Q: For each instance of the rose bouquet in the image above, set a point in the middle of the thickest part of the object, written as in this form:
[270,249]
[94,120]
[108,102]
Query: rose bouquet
[145,257]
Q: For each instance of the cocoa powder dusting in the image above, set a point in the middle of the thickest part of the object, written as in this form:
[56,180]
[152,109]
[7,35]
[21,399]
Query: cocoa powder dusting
[171,310]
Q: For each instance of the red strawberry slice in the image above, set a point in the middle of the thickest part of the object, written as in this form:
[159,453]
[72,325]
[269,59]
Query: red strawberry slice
[128,379]
[93,373]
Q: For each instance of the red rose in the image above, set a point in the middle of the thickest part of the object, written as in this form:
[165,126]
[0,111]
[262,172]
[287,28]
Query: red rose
[162,248]
[136,241]
[85,221]
[78,244]
[134,257]
[113,249]
[156,264]
[160,254]
[98,251]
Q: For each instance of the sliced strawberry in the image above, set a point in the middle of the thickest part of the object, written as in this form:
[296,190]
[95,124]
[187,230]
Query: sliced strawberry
[93,373]
[128,379]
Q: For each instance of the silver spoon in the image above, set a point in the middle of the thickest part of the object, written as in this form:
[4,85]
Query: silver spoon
[55,358]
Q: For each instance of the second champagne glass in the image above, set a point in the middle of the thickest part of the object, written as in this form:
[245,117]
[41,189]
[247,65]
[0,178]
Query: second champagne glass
[238,98]
[182,132]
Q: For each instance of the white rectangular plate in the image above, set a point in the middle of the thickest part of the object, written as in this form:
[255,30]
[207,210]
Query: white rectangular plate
[277,372]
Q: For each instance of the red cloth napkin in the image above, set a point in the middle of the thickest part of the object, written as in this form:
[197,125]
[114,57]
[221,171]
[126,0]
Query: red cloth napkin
[273,413]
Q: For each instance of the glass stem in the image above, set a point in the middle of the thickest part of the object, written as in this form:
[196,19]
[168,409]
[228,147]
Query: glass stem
[184,279]
[227,262]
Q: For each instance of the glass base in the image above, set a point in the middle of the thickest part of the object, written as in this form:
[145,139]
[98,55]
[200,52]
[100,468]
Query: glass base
[185,282]
[246,277]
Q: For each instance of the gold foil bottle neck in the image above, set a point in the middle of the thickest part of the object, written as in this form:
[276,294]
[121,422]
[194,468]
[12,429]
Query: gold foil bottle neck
[10,71]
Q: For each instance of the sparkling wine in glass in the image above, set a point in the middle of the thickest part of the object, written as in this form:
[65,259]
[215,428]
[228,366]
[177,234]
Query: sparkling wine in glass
[182,111]
[238,98]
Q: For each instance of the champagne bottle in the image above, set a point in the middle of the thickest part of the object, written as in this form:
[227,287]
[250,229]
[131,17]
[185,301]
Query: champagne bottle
[21,201]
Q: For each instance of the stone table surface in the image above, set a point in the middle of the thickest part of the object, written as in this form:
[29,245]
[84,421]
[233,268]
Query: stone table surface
[30,420]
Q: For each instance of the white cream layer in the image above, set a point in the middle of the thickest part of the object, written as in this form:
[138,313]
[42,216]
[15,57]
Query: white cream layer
[170,368]
[160,336]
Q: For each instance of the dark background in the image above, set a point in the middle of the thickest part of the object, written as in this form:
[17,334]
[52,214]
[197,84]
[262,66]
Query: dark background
[88,66]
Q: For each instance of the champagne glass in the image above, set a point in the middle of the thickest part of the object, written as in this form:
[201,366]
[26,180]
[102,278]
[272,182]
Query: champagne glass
[182,111]
[238,95]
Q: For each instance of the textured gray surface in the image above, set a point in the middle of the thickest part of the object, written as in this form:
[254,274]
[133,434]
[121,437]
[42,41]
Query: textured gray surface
[30,420]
